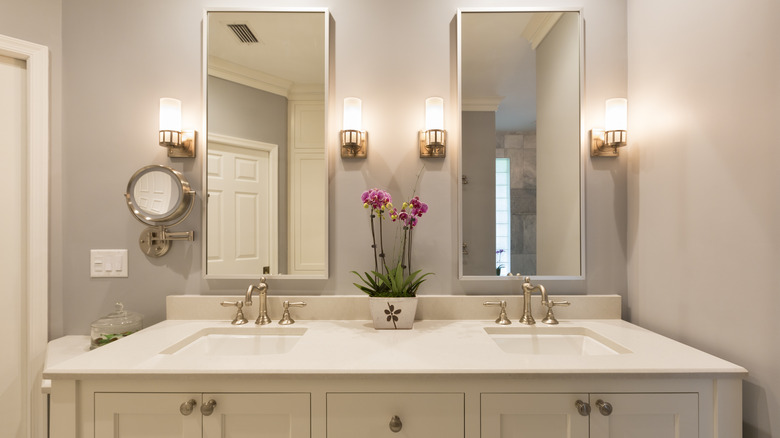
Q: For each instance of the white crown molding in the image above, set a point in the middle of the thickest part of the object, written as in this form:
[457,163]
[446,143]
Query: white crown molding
[540,25]
[229,71]
[482,103]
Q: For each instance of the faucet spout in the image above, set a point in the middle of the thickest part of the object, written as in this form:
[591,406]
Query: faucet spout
[528,289]
[262,289]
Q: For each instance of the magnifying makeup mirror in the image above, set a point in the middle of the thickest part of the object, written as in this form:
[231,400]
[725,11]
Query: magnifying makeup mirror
[160,197]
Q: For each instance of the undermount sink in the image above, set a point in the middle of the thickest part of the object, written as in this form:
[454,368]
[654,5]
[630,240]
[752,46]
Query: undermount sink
[238,341]
[563,341]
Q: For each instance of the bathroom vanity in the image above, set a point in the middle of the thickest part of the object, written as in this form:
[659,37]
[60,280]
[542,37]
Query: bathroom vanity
[592,375]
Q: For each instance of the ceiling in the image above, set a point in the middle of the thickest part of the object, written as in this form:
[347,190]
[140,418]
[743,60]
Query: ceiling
[499,64]
[290,51]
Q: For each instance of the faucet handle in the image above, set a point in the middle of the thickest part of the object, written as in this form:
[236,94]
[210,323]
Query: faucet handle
[550,318]
[239,319]
[502,318]
[286,318]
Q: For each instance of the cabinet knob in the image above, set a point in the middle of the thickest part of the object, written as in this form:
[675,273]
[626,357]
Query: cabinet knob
[604,407]
[395,424]
[583,408]
[208,408]
[187,407]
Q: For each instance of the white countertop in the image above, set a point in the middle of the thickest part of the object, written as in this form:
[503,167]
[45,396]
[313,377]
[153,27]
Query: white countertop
[355,347]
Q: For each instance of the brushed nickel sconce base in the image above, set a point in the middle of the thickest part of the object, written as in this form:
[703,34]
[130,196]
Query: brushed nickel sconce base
[354,144]
[184,149]
[598,148]
[433,143]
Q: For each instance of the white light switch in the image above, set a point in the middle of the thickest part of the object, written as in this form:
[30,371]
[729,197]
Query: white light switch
[108,263]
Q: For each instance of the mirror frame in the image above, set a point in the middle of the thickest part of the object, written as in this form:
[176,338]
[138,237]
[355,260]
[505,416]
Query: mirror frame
[204,147]
[583,146]
[176,214]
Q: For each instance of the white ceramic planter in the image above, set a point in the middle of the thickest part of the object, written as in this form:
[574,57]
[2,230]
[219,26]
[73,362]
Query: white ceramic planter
[392,313]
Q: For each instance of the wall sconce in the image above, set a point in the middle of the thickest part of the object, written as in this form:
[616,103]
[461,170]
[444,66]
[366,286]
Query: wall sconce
[605,143]
[354,141]
[433,140]
[180,144]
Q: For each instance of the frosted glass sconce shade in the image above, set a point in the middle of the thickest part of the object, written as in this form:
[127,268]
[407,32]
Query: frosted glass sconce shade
[433,139]
[180,144]
[605,143]
[354,141]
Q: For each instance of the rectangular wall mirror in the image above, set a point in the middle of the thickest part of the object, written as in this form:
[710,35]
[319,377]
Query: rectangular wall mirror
[266,78]
[521,169]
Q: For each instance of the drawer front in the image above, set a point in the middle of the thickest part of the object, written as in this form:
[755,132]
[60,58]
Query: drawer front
[369,415]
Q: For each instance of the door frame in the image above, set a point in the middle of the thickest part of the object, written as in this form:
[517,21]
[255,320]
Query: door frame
[36,273]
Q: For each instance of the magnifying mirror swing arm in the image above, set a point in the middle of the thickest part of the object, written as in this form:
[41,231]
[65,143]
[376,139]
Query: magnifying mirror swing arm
[155,241]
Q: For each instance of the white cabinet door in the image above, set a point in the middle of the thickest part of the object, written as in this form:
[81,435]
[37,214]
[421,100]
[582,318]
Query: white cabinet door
[421,415]
[258,415]
[645,416]
[138,415]
[533,416]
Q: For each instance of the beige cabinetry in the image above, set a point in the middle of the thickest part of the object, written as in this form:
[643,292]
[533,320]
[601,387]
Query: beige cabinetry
[354,405]
[394,415]
[201,415]
[605,415]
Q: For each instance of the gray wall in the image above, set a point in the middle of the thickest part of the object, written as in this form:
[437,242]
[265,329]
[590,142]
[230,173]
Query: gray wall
[558,170]
[704,204]
[245,112]
[121,57]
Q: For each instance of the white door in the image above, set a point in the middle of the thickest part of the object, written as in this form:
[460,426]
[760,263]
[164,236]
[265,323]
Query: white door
[258,415]
[645,416]
[13,132]
[154,191]
[533,415]
[131,415]
[242,207]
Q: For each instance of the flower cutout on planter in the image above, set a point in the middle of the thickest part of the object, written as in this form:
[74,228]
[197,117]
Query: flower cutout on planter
[392,314]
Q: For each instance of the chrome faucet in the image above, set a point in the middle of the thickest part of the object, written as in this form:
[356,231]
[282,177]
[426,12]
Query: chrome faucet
[262,313]
[528,288]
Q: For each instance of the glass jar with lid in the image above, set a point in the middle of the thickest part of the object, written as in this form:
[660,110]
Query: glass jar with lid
[115,325]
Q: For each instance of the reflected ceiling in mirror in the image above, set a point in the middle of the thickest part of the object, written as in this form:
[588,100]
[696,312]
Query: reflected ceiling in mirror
[520,160]
[266,165]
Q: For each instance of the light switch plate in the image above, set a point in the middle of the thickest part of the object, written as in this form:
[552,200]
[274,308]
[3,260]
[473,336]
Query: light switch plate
[108,263]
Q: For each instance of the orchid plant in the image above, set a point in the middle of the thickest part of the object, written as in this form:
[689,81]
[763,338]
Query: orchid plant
[397,279]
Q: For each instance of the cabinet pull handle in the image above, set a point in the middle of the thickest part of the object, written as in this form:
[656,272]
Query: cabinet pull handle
[208,408]
[604,407]
[395,424]
[187,407]
[583,408]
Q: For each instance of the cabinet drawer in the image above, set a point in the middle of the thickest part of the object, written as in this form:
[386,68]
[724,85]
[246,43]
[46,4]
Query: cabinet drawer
[354,415]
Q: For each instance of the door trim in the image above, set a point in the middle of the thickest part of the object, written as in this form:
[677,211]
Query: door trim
[36,274]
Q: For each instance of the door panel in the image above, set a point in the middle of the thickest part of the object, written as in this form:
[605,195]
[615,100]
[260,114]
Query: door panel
[532,416]
[258,415]
[130,415]
[646,416]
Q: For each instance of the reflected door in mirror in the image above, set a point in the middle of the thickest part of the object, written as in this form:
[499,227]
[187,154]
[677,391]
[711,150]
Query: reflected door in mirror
[156,193]
[243,230]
